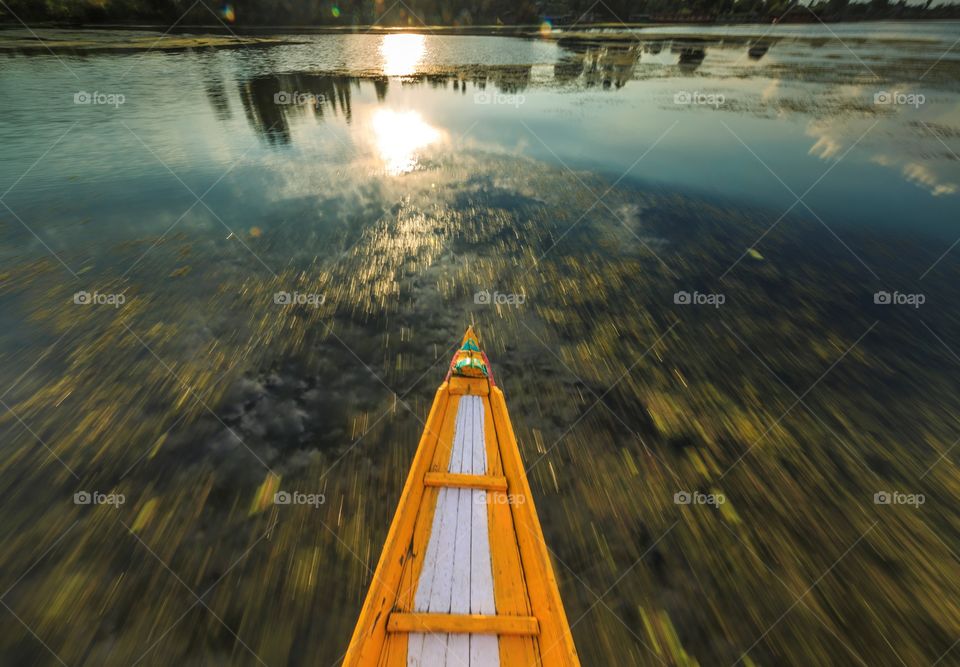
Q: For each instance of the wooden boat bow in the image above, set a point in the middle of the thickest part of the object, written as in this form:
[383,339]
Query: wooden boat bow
[465,578]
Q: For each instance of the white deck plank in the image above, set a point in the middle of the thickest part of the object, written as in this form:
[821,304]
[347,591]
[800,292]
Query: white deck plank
[458,645]
[457,576]
[460,586]
[459,435]
[484,651]
[421,599]
[448,504]
[434,650]
[417,653]
[479,442]
[415,650]
[434,548]
[471,409]
[443,576]
[435,645]
[481,570]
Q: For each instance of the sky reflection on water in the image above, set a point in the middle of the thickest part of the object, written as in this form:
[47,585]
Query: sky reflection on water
[783,116]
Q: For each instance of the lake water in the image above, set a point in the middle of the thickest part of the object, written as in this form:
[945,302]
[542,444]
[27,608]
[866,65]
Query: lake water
[801,182]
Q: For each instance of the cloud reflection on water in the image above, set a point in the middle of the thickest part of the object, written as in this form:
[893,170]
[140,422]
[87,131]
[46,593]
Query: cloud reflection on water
[818,117]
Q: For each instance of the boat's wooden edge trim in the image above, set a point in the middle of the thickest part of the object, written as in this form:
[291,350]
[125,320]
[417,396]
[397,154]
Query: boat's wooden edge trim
[461,481]
[464,386]
[556,641]
[370,631]
[475,624]
[444,449]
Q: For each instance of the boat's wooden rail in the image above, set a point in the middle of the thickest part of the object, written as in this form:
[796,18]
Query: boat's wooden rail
[454,480]
[481,624]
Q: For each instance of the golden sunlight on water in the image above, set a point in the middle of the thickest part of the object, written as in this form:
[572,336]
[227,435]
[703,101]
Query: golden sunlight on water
[401,54]
[398,136]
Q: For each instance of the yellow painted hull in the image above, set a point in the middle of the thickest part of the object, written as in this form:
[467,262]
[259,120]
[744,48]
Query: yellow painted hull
[528,623]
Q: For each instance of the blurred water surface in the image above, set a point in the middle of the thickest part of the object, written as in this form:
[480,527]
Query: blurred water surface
[809,176]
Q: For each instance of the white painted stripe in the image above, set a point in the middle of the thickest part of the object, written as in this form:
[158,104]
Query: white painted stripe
[457,576]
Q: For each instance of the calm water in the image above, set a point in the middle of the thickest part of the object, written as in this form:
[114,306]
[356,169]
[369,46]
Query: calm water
[393,178]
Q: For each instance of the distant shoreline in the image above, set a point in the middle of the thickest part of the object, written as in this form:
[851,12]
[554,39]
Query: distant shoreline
[74,40]
[131,38]
[480,29]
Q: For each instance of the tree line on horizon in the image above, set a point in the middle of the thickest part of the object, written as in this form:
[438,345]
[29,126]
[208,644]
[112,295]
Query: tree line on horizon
[458,12]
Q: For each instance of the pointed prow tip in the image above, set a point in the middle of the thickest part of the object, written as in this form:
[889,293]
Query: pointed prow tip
[470,337]
[470,361]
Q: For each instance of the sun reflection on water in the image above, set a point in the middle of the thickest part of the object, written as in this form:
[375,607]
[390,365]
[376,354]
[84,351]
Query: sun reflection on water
[401,54]
[399,135]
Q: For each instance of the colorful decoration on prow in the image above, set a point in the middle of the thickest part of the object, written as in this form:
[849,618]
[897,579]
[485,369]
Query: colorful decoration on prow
[469,361]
